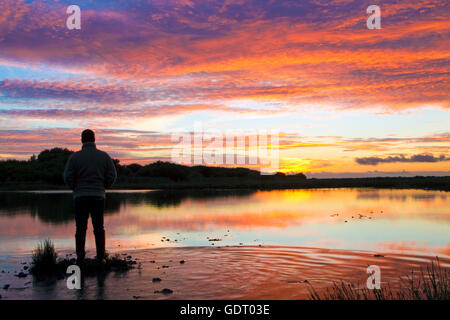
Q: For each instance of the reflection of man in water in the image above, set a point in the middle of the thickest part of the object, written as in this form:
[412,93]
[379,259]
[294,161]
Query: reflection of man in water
[88,173]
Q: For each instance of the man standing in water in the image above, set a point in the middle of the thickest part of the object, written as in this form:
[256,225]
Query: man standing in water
[88,173]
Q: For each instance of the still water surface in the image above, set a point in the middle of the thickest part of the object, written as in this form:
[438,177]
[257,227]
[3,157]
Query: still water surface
[401,221]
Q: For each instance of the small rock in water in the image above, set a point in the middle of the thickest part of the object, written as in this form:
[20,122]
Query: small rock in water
[6,287]
[25,268]
[136,297]
[378,255]
[164,291]
[156,280]
[21,275]
[164,266]
[181,261]
[297,281]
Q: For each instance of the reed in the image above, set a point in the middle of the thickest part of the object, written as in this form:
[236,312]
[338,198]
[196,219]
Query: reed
[430,283]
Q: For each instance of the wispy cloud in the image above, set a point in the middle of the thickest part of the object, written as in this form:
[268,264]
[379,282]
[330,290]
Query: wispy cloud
[134,64]
[304,52]
[414,158]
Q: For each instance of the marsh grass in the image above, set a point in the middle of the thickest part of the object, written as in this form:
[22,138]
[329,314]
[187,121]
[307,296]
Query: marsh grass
[431,283]
[44,257]
[45,263]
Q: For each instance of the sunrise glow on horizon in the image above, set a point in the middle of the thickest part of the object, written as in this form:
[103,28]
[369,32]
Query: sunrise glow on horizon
[347,101]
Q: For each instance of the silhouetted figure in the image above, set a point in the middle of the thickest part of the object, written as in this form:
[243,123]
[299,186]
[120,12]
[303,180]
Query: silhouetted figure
[88,173]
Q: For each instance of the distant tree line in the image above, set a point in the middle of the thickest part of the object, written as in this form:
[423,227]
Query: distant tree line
[48,168]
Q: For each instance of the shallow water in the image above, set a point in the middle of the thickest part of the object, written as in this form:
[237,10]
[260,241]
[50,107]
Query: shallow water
[400,221]
[242,272]
[264,244]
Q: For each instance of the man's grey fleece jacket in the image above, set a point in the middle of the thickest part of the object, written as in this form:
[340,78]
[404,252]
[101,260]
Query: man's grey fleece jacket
[89,171]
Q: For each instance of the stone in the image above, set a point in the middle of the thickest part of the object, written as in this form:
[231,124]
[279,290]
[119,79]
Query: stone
[164,291]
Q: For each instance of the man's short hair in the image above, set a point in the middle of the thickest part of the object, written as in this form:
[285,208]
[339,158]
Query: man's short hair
[87,136]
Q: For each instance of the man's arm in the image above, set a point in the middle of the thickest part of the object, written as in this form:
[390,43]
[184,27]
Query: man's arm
[70,174]
[110,172]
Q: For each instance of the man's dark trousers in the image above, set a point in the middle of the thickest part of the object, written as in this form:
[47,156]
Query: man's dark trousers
[85,205]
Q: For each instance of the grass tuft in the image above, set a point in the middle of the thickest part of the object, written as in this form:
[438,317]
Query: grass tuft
[431,283]
[44,257]
[45,263]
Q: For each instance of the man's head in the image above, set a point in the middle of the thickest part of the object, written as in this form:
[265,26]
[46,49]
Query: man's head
[87,136]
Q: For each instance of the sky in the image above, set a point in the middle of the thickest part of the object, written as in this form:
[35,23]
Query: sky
[347,101]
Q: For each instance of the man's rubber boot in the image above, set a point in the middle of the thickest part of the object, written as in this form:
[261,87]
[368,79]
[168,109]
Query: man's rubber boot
[100,245]
[79,245]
